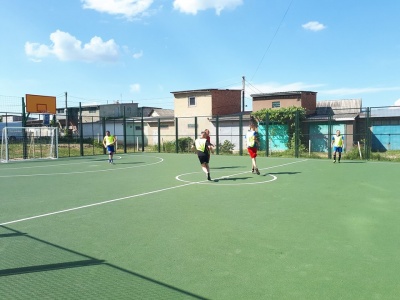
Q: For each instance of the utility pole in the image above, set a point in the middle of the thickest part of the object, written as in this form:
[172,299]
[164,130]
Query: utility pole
[243,84]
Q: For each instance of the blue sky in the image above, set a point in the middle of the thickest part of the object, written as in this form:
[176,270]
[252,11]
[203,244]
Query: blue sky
[101,51]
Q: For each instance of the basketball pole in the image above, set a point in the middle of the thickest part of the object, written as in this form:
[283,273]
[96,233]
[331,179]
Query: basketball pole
[24,116]
[24,119]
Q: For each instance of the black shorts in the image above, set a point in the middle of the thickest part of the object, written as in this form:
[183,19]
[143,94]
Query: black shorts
[204,159]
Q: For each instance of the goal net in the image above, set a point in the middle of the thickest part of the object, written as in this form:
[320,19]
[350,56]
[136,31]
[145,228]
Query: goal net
[23,143]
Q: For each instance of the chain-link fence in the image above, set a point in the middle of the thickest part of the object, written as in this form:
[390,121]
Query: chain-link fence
[369,133]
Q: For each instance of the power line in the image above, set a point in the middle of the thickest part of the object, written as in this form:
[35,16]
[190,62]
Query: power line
[273,37]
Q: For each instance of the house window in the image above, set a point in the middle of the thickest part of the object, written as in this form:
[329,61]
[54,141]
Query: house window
[276,104]
[192,101]
[191,125]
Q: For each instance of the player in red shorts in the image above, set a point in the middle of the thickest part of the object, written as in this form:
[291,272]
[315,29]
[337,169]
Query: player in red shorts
[252,143]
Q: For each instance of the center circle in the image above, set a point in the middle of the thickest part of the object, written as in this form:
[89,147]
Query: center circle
[220,180]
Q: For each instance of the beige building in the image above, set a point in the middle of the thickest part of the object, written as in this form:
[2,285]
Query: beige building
[305,99]
[194,108]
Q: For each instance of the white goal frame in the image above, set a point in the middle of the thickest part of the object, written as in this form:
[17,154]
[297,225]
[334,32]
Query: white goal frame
[27,143]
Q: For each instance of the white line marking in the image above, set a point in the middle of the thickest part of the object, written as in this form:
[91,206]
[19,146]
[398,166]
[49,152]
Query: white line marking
[119,199]
[227,176]
[83,172]
[213,181]
[96,204]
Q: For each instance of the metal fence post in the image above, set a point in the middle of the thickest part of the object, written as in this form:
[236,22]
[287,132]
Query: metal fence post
[142,130]
[241,135]
[176,135]
[267,134]
[80,131]
[124,129]
[159,135]
[329,136]
[195,128]
[296,134]
[368,135]
[217,134]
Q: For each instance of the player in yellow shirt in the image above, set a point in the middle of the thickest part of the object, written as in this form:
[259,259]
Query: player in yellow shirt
[109,142]
[337,143]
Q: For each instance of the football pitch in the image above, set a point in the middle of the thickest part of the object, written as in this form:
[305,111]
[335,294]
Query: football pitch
[151,226]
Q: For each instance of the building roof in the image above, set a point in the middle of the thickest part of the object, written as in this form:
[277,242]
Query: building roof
[159,112]
[382,112]
[339,110]
[282,94]
[202,91]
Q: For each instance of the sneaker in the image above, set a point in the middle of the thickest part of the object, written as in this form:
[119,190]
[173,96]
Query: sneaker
[334,161]
[258,172]
[252,171]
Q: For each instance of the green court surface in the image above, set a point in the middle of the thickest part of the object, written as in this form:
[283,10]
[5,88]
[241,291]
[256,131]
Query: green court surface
[151,227]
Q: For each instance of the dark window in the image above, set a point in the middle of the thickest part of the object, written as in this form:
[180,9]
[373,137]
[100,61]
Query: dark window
[276,104]
[192,101]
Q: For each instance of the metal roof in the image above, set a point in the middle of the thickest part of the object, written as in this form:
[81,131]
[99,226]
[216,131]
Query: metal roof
[202,91]
[276,94]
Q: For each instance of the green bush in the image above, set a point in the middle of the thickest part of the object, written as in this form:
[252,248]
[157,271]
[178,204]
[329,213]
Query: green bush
[352,154]
[185,144]
[226,147]
[168,147]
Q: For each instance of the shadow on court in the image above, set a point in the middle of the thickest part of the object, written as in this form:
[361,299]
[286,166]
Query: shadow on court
[282,173]
[88,277]
[224,168]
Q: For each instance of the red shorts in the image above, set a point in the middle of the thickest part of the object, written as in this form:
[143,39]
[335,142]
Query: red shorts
[252,151]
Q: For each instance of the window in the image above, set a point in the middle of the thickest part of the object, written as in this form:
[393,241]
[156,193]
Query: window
[92,110]
[191,125]
[192,101]
[276,104]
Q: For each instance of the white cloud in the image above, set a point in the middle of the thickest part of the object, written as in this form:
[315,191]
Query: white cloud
[134,88]
[397,103]
[273,87]
[137,55]
[313,26]
[126,8]
[193,6]
[354,91]
[67,48]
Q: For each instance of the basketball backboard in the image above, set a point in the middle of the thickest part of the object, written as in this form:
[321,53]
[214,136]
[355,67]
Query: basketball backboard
[38,104]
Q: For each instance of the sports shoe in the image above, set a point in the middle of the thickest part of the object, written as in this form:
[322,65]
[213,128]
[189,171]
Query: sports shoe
[252,171]
[334,161]
[258,172]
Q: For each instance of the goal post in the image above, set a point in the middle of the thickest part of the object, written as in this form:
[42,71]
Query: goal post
[26,143]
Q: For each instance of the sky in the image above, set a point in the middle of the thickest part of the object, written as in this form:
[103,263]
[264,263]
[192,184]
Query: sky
[103,51]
